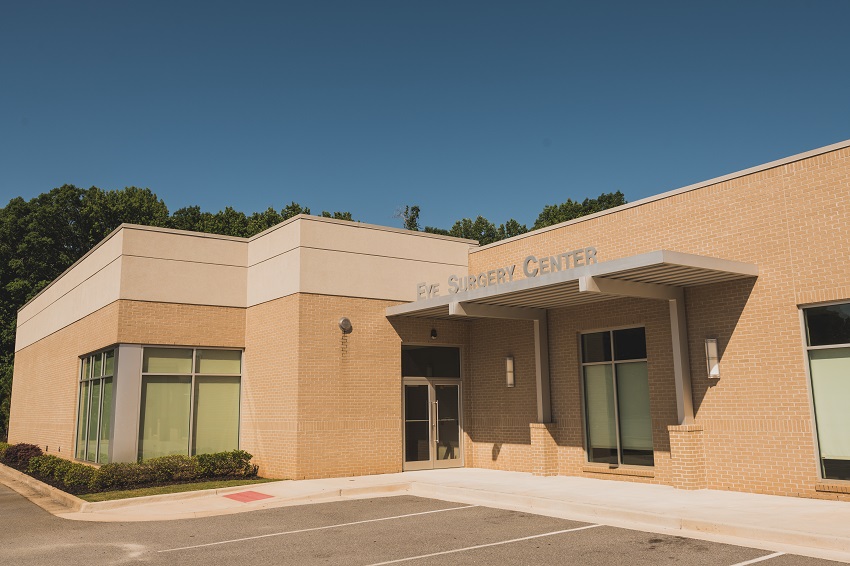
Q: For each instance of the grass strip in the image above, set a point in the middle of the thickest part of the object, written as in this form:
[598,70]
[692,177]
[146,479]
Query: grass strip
[175,488]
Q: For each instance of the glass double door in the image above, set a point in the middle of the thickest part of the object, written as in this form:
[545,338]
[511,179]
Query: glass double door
[432,424]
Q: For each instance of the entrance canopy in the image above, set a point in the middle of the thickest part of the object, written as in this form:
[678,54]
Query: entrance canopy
[660,275]
[653,275]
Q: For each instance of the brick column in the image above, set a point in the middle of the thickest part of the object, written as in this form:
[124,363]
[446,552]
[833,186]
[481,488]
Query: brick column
[544,450]
[687,456]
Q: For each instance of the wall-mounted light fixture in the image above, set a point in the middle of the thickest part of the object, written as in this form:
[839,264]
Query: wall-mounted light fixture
[433,334]
[345,325]
[509,371]
[712,358]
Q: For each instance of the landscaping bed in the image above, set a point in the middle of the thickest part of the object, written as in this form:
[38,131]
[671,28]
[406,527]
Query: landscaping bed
[175,472]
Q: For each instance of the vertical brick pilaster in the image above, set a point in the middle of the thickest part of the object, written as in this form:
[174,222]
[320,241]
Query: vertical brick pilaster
[687,456]
[544,450]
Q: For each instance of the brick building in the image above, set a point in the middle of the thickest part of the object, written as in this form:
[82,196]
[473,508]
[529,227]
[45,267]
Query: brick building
[699,338]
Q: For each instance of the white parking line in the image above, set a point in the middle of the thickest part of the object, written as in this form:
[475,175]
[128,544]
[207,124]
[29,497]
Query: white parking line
[759,559]
[409,558]
[319,528]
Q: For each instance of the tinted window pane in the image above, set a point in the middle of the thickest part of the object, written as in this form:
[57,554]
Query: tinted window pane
[630,344]
[596,347]
[599,411]
[167,360]
[828,325]
[109,363]
[216,415]
[430,361]
[219,361]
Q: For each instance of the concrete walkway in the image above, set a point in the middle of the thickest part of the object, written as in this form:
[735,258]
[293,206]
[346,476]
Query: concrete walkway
[803,526]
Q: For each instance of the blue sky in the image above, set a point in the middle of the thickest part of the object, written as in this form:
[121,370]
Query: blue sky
[465,108]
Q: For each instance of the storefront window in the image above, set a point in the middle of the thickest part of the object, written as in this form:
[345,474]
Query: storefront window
[94,420]
[616,397]
[190,401]
[828,340]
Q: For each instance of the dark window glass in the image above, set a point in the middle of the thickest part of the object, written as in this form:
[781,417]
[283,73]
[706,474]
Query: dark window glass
[828,325]
[430,361]
[596,347]
[630,344]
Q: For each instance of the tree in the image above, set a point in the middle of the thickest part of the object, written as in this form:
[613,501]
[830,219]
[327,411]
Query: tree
[510,229]
[410,217]
[338,215]
[571,209]
[479,229]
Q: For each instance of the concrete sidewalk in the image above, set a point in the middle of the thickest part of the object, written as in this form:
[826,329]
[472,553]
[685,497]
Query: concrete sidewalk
[803,526]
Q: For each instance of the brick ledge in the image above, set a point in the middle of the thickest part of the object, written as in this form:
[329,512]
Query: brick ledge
[621,471]
[833,487]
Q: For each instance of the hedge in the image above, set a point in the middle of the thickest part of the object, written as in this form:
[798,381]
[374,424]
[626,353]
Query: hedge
[3,446]
[77,478]
[18,455]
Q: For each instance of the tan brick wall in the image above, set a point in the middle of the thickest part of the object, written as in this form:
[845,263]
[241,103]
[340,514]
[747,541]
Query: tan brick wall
[143,322]
[792,221]
[269,415]
[46,380]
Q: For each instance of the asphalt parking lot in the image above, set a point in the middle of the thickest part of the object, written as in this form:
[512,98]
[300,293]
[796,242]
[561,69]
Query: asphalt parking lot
[367,532]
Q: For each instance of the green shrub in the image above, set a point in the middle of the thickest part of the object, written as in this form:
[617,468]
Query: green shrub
[175,468]
[66,475]
[18,455]
[3,446]
[123,475]
[236,463]
[79,478]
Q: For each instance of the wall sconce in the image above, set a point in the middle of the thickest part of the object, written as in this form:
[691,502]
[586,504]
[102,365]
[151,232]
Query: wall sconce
[433,334]
[509,371]
[712,358]
[345,325]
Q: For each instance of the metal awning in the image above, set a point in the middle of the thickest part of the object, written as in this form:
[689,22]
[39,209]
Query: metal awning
[661,275]
[649,275]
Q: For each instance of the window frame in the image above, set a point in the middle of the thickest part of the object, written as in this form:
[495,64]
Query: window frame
[804,339]
[613,363]
[192,385]
[90,379]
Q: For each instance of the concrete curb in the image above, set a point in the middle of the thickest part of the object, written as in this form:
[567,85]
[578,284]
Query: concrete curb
[12,478]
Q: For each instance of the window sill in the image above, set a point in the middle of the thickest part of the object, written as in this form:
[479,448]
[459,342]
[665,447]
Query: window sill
[833,486]
[621,471]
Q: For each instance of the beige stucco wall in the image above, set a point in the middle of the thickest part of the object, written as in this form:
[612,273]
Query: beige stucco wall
[91,284]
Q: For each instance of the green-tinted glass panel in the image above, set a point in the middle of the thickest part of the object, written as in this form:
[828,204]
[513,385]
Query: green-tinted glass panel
[82,420]
[633,406]
[216,424]
[91,445]
[596,347]
[831,390]
[219,362]
[97,365]
[86,369]
[105,422]
[167,360]
[164,419]
[109,363]
[599,407]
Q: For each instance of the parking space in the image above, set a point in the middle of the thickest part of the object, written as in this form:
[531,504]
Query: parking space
[368,532]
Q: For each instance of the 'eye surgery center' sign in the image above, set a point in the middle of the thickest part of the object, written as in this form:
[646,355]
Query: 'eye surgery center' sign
[532,266]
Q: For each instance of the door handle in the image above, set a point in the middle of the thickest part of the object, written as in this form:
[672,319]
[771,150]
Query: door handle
[437,421]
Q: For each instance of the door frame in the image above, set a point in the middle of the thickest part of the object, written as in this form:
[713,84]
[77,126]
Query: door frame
[432,462]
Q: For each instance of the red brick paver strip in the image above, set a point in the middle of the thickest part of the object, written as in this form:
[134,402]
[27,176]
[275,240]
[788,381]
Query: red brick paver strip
[248,496]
